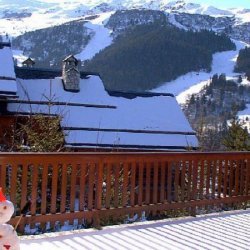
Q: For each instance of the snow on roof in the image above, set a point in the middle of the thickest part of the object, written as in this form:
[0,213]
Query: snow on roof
[6,62]
[7,73]
[130,140]
[94,117]
[8,87]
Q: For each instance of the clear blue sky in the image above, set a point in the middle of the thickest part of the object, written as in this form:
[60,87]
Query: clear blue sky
[225,4]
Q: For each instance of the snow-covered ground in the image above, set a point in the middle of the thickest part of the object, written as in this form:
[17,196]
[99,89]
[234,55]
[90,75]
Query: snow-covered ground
[226,230]
[193,82]
[101,39]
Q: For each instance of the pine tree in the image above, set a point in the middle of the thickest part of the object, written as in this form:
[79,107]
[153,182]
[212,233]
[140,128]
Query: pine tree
[40,134]
[237,138]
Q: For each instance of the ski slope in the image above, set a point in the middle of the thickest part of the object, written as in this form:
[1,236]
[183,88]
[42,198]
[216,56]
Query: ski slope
[101,39]
[193,82]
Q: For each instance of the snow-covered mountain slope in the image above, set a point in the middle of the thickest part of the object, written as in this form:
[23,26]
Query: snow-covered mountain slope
[17,17]
[101,39]
[193,82]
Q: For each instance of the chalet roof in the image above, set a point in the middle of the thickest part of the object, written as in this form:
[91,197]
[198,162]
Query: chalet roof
[7,73]
[95,117]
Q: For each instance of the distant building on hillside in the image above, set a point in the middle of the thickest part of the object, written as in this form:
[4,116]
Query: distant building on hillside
[92,117]
[28,62]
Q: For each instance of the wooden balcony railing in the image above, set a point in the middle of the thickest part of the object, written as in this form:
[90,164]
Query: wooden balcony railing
[80,187]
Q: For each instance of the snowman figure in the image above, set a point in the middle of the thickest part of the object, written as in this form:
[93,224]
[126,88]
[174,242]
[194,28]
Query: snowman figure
[8,236]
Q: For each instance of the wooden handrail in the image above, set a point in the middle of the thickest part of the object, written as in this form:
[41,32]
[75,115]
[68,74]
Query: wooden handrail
[90,186]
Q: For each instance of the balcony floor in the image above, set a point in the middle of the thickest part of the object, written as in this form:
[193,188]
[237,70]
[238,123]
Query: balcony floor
[226,230]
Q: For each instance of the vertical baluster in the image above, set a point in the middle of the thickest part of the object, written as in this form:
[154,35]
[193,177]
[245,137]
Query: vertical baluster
[148,182]
[82,193]
[189,184]
[208,176]
[231,177]
[99,183]
[247,182]
[183,180]
[155,183]
[13,184]
[237,177]
[34,190]
[201,184]
[73,187]
[219,179]
[140,184]
[132,184]
[91,185]
[242,176]
[225,184]
[195,182]
[98,192]
[163,182]
[24,181]
[23,192]
[64,168]
[125,185]
[176,181]
[116,185]
[169,190]
[44,190]
[214,172]
[54,188]
[108,186]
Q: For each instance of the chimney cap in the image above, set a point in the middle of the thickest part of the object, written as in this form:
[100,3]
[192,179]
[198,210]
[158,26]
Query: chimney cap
[70,58]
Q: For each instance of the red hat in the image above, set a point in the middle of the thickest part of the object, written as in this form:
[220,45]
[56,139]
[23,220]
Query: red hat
[2,197]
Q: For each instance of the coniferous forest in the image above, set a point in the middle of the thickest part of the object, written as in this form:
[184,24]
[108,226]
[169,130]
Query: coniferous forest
[143,57]
[210,111]
[243,62]
[49,46]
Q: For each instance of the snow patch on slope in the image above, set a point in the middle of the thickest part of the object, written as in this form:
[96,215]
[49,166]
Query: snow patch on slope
[100,40]
[172,20]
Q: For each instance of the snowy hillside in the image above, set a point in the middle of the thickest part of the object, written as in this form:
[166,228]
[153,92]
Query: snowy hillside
[18,17]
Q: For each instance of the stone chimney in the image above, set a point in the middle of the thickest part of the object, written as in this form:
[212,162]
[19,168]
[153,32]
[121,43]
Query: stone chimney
[71,74]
